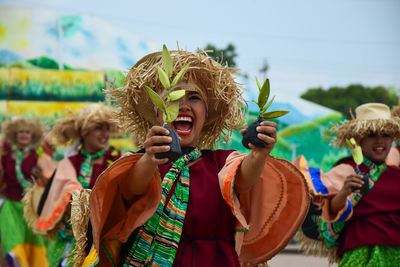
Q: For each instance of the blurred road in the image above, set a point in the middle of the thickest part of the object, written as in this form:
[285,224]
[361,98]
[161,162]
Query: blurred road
[292,257]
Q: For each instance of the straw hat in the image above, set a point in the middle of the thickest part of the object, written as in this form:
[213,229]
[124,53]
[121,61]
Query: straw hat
[225,103]
[74,127]
[370,118]
[11,127]
[396,110]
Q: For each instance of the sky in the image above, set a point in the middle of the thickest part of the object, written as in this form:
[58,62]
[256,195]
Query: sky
[307,44]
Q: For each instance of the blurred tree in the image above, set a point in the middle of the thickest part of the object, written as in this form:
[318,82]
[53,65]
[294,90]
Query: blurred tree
[47,63]
[224,56]
[344,98]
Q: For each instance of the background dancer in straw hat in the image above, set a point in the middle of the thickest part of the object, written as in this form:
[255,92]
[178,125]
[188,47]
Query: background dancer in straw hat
[207,208]
[92,126]
[20,164]
[359,197]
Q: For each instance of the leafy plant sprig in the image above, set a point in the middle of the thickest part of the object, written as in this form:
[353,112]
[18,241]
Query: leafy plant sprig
[170,112]
[356,151]
[40,152]
[263,97]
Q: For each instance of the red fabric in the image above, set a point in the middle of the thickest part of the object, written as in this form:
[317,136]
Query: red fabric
[78,159]
[209,227]
[13,189]
[376,218]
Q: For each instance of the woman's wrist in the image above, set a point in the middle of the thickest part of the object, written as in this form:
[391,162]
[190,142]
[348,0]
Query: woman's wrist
[338,202]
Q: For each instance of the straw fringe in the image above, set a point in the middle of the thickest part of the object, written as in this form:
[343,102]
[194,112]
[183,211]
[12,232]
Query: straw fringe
[79,221]
[31,202]
[30,208]
[360,129]
[316,248]
[225,101]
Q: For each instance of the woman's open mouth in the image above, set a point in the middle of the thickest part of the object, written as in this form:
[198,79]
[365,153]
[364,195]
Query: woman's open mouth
[379,150]
[102,141]
[183,124]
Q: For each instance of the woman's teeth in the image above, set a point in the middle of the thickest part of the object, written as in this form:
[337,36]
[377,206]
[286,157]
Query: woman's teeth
[184,119]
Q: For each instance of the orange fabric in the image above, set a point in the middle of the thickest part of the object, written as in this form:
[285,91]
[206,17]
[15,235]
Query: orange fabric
[272,210]
[333,181]
[110,217]
[228,181]
[47,165]
[65,181]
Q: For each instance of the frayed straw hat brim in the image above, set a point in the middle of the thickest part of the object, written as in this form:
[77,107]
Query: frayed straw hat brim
[359,129]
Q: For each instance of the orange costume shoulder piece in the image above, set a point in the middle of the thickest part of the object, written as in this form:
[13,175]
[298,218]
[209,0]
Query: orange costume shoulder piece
[64,182]
[268,215]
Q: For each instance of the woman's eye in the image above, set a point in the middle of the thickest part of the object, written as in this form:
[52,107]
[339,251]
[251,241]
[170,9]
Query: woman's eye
[194,97]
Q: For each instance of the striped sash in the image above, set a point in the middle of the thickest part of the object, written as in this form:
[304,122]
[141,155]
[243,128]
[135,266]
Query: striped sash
[157,240]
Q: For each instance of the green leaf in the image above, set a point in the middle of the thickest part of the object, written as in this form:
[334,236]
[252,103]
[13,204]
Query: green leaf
[172,112]
[258,84]
[267,106]
[255,101]
[264,94]
[157,100]
[353,142]
[167,61]
[175,95]
[274,114]
[163,78]
[179,75]
[40,152]
[358,155]
[348,143]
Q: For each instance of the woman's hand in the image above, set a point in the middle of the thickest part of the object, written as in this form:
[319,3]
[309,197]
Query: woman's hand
[267,133]
[338,202]
[146,166]
[353,180]
[38,176]
[156,135]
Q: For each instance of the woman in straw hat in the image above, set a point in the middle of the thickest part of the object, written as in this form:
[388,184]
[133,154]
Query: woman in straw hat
[360,221]
[92,126]
[209,207]
[21,163]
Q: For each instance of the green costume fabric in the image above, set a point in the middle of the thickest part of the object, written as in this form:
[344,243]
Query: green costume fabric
[11,217]
[372,256]
[63,240]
